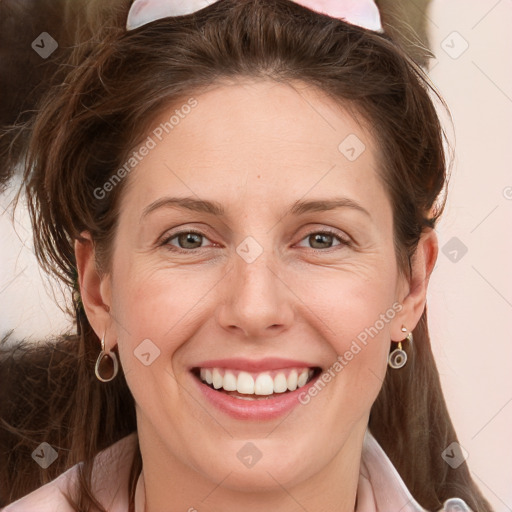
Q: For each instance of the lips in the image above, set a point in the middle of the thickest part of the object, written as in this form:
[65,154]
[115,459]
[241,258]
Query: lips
[248,390]
[255,366]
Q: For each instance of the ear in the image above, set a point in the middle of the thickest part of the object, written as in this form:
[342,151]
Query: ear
[415,289]
[94,287]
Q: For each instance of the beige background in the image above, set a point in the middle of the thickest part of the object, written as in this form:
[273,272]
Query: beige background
[470,299]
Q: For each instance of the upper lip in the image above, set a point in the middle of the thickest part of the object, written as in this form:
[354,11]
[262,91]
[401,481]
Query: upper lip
[253,365]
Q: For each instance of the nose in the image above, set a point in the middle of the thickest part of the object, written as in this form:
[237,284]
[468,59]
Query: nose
[256,301]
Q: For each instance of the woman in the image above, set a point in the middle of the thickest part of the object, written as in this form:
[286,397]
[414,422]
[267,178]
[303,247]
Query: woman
[261,371]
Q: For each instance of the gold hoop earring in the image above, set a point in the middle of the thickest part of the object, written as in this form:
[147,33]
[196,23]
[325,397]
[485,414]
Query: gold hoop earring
[99,362]
[398,357]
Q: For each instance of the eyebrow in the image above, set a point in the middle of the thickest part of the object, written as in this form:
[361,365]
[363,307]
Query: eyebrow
[214,208]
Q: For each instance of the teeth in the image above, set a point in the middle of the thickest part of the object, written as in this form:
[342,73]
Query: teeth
[218,379]
[249,398]
[230,382]
[206,375]
[292,380]
[280,383]
[244,384]
[303,378]
[263,384]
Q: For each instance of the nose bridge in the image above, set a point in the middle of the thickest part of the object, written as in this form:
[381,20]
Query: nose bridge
[256,297]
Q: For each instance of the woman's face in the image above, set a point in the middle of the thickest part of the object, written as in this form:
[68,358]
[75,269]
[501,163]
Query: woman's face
[297,273]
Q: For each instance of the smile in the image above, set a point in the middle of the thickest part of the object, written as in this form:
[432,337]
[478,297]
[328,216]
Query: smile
[248,389]
[255,385]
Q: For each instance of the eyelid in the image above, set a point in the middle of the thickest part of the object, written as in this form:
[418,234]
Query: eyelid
[344,239]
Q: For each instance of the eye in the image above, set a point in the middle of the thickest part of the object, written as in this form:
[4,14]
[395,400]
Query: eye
[187,241]
[324,238]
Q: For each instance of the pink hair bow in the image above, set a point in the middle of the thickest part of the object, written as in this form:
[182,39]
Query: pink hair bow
[363,13]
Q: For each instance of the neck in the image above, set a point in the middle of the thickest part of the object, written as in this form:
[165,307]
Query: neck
[168,480]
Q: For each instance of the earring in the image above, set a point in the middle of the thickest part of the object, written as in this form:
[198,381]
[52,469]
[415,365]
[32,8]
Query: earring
[398,357]
[99,361]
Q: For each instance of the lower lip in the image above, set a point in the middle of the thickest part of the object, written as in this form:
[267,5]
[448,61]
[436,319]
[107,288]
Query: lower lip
[264,409]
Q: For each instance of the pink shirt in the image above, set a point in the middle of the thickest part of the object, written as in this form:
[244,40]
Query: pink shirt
[380,487]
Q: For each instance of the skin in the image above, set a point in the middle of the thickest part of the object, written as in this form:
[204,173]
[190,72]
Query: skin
[256,147]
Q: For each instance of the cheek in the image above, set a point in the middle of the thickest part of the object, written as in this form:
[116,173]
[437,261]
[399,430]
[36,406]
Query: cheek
[156,302]
[352,305]
[153,313]
[156,311]
[362,324]
[357,314]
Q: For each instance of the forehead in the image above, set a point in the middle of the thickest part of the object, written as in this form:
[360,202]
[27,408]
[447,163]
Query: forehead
[249,143]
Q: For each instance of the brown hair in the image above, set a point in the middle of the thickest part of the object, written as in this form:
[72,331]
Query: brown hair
[117,86]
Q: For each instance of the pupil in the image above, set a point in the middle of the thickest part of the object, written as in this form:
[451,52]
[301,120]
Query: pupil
[319,237]
[189,238]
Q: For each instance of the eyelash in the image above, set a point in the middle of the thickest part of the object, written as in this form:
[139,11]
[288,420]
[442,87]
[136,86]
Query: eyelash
[165,242]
